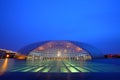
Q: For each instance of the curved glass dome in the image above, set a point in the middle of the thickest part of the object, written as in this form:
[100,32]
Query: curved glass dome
[59,50]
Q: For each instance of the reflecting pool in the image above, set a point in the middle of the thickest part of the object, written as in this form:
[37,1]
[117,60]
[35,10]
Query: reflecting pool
[97,69]
[61,66]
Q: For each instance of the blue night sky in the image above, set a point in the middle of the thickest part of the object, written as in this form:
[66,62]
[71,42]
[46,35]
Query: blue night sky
[96,22]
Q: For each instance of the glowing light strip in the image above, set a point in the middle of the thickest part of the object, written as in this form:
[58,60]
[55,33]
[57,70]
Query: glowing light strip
[72,69]
[63,69]
[19,69]
[46,69]
[38,69]
[79,68]
[28,69]
[66,66]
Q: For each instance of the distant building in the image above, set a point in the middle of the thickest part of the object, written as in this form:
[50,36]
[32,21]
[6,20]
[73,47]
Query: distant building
[6,54]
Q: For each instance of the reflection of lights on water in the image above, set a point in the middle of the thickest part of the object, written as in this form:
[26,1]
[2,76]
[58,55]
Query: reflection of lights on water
[64,66]
[4,66]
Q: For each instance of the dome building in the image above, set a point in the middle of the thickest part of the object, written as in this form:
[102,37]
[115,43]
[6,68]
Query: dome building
[60,50]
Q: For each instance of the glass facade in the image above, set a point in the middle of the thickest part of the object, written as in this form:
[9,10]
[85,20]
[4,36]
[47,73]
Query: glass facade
[59,50]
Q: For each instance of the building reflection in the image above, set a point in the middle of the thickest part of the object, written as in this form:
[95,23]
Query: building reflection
[60,66]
